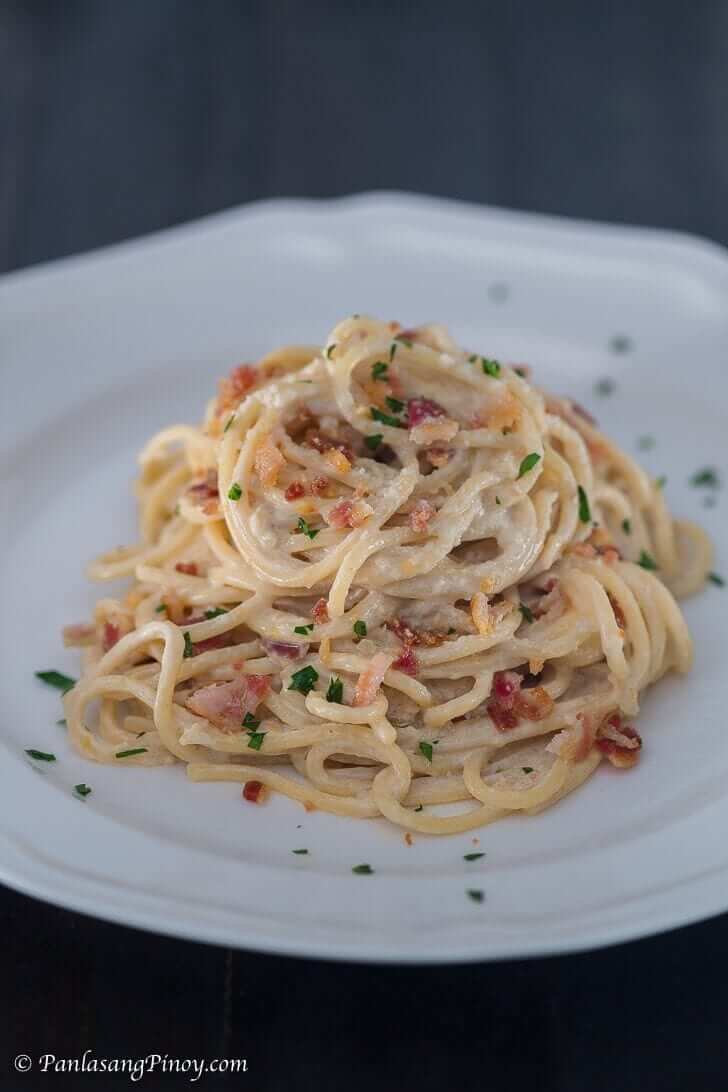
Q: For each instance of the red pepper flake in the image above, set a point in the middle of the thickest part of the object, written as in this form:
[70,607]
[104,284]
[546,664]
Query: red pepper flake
[111,635]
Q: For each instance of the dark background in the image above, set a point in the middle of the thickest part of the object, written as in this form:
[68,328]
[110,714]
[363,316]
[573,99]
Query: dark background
[121,118]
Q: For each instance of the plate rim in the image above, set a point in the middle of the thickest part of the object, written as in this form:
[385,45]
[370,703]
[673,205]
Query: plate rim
[136,907]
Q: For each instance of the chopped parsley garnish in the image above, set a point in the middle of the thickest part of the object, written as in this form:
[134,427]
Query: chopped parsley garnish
[528,463]
[299,852]
[255,740]
[497,500]
[661,482]
[522,372]
[491,367]
[419,807]
[472,856]
[82,790]
[360,628]
[605,387]
[526,612]
[306,529]
[472,359]
[329,351]
[584,509]
[362,870]
[405,340]
[189,647]
[627,526]
[392,350]
[380,370]
[229,422]
[162,607]
[646,443]
[385,418]
[620,343]
[303,680]
[304,630]
[133,751]
[235,492]
[426,750]
[215,612]
[55,678]
[708,477]
[647,561]
[394,404]
[62,722]
[250,722]
[527,769]
[475,894]
[40,756]
[335,692]
[373,442]
[714,578]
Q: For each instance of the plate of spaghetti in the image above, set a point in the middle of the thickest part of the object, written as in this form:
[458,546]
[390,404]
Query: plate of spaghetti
[391,608]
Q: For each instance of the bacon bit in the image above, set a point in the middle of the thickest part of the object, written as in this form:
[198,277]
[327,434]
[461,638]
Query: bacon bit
[409,636]
[320,612]
[255,792]
[611,555]
[232,390]
[370,680]
[323,442]
[618,612]
[619,742]
[268,462]
[211,507]
[319,486]
[79,634]
[337,460]
[294,491]
[187,567]
[302,419]
[284,650]
[438,456]
[574,743]
[503,719]
[206,489]
[407,662]
[408,838]
[534,703]
[501,707]
[583,549]
[111,635]
[421,515]
[349,514]
[420,410]
[225,704]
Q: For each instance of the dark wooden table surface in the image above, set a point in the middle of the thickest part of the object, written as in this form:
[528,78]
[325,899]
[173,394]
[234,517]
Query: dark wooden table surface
[119,118]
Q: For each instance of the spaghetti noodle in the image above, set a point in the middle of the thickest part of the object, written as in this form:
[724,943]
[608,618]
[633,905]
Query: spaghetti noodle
[384,576]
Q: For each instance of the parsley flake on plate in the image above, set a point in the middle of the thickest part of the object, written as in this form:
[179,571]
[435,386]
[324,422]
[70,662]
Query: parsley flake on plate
[57,679]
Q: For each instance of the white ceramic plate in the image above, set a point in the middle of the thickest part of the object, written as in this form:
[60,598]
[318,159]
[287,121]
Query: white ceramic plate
[100,351]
